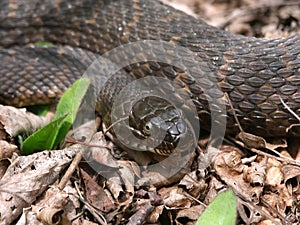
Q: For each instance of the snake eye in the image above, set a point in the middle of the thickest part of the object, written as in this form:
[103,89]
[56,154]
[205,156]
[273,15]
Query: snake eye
[147,128]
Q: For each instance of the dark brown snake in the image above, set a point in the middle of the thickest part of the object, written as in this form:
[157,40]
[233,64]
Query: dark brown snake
[254,72]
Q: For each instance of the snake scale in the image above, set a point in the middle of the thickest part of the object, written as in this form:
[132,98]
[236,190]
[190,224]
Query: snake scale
[255,72]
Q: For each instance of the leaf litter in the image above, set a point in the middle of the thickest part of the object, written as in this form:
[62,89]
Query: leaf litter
[266,183]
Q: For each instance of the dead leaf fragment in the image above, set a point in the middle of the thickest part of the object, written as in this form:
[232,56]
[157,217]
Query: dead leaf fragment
[96,195]
[193,185]
[50,209]
[155,214]
[140,216]
[245,180]
[174,198]
[17,121]
[29,176]
[7,149]
[191,214]
[274,175]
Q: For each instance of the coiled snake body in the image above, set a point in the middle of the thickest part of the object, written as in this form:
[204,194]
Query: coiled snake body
[254,72]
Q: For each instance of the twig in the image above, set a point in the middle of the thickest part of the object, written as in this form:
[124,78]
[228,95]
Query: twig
[289,109]
[73,141]
[96,213]
[281,217]
[113,124]
[77,158]
[281,158]
[258,209]
[196,200]
[233,112]
[249,140]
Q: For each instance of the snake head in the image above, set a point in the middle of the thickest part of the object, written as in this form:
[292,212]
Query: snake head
[160,123]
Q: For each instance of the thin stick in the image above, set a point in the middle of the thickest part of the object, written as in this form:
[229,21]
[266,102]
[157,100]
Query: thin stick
[233,112]
[77,158]
[289,109]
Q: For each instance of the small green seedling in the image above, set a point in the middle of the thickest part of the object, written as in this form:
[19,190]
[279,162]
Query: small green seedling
[52,134]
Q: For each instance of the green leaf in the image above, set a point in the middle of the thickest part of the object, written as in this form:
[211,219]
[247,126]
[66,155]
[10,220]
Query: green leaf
[44,138]
[221,211]
[52,134]
[72,98]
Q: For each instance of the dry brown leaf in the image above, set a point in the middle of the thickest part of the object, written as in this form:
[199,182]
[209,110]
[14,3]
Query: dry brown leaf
[4,164]
[29,176]
[117,172]
[17,121]
[214,187]
[274,174]
[191,214]
[50,209]
[268,222]
[116,189]
[154,197]
[144,209]
[7,149]
[255,174]
[174,198]
[247,213]
[155,214]
[63,202]
[278,200]
[27,216]
[156,178]
[73,206]
[96,195]
[155,200]
[191,183]
[242,178]
[291,175]
[162,174]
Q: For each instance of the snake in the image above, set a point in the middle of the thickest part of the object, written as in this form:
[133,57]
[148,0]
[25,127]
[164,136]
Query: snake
[257,74]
